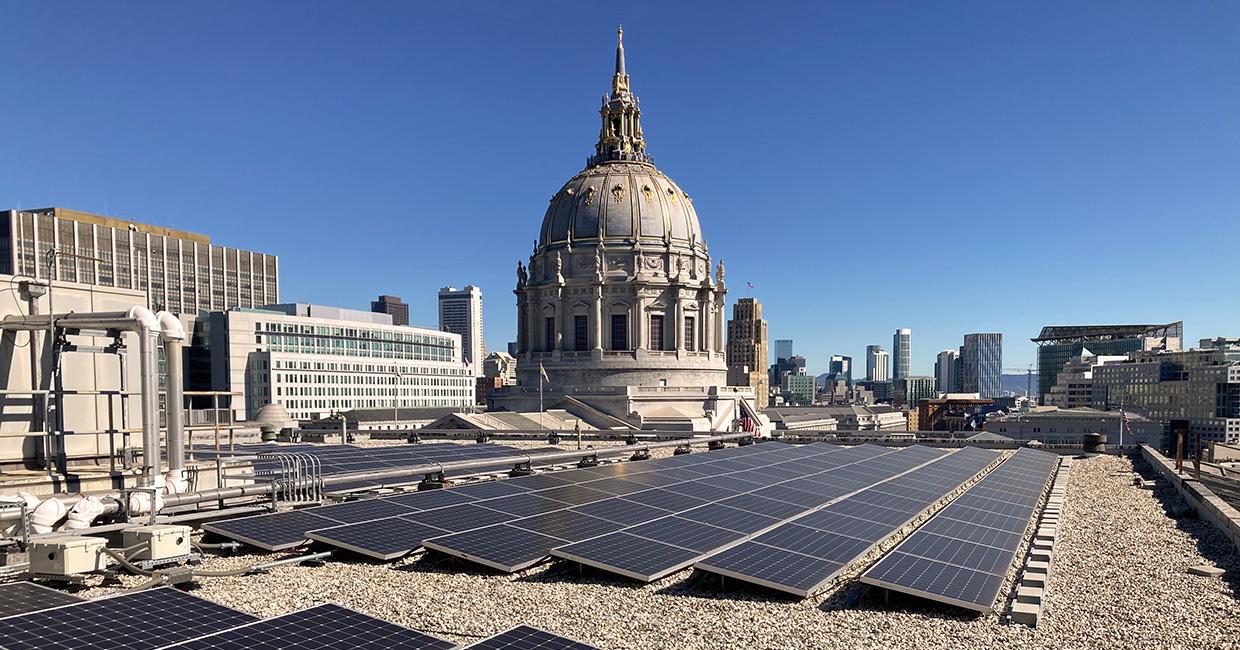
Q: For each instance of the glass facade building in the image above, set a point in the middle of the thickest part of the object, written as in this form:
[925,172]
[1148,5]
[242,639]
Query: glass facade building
[981,364]
[901,353]
[1059,344]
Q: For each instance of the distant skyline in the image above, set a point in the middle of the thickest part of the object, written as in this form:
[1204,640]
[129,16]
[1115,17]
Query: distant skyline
[950,167]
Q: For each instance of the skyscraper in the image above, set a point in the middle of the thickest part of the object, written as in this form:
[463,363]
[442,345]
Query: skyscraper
[981,364]
[747,363]
[841,366]
[783,349]
[946,371]
[460,312]
[876,363]
[392,306]
[901,353]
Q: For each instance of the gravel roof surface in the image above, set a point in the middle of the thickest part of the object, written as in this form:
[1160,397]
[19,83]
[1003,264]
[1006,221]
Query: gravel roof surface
[1118,580]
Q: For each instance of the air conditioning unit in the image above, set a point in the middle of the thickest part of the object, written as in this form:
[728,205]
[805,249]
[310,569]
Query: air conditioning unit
[159,542]
[68,555]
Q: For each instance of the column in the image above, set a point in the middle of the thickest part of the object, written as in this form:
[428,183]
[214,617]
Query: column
[598,318]
[679,324]
[522,324]
[707,314]
[639,323]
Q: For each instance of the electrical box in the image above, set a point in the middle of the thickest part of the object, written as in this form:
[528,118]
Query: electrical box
[160,542]
[68,555]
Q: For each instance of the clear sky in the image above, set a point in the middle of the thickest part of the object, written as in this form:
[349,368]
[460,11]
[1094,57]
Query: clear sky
[950,167]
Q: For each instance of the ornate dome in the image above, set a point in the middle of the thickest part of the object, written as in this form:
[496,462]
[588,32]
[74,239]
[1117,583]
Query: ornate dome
[621,201]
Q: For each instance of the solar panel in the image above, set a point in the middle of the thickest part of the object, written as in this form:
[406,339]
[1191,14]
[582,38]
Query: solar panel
[503,547]
[22,597]
[803,555]
[524,637]
[131,621]
[381,539]
[325,626]
[962,555]
[272,532]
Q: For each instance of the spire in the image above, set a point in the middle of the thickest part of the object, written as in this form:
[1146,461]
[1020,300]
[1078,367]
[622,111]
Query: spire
[620,137]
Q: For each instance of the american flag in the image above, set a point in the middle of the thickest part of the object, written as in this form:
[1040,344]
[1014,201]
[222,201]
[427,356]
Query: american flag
[1123,419]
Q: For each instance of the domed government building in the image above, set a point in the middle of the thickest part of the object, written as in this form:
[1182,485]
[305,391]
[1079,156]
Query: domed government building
[620,311]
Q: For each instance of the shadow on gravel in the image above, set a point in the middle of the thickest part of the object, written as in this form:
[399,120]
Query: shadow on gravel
[1211,544]
[875,600]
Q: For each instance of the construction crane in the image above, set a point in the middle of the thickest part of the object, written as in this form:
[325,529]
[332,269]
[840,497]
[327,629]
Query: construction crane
[1028,378]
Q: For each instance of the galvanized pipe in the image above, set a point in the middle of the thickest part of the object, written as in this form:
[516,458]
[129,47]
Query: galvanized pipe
[175,406]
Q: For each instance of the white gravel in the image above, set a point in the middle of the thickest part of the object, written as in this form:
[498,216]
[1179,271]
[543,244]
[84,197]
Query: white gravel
[1118,581]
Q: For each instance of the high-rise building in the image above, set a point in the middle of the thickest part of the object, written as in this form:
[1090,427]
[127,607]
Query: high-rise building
[876,363]
[908,391]
[901,353]
[1057,344]
[947,371]
[747,346]
[179,271]
[981,364]
[799,387]
[841,366]
[460,312]
[783,349]
[392,306]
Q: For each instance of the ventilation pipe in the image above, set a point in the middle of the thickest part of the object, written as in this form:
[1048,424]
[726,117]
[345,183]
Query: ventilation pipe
[172,333]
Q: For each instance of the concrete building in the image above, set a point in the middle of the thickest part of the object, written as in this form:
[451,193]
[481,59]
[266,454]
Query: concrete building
[502,367]
[460,312]
[784,366]
[981,364]
[799,387]
[1059,343]
[1074,387]
[877,362]
[841,366]
[908,391]
[392,306]
[867,418]
[178,271]
[618,308]
[947,371]
[747,347]
[783,349]
[1058,426]
[315,360]
[901,353]
[1199,387]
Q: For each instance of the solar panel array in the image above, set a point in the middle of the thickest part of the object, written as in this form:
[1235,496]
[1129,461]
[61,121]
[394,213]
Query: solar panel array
[356,526]
[734,482]
[327,626]
[22,597]
[347,459]
[524,637]
[801,556]
[662,546]
[962,555]
[132,621]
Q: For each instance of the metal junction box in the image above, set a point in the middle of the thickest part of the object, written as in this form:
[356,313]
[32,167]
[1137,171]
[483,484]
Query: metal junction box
[160,542]
[68,555]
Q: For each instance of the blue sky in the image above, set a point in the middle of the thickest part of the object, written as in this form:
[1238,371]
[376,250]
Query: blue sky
[950,167]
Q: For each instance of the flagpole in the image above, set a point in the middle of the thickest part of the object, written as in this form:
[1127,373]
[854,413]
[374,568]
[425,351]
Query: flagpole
[541,421]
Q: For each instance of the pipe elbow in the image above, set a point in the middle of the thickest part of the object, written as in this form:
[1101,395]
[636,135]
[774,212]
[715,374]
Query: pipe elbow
[170,327]
[144,317]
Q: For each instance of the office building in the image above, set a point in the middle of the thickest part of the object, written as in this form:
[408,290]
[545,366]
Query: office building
[947,371]
[1057,344]
[1074,387]
[460,312]
[908,391]
[841,367]
[315,360]
[747,348]
[876,363]
[784,366]
[392,306]
[953,412]
[981,364]
[798,388]
[1199,388]
[901,353]
[783,349]
[179,271]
